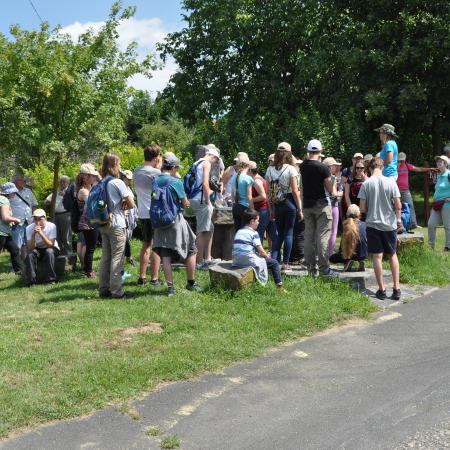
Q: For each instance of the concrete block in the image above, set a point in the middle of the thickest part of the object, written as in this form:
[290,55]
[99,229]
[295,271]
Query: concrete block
[228,277]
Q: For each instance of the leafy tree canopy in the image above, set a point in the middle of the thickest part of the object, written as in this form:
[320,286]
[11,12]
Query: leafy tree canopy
[60,98]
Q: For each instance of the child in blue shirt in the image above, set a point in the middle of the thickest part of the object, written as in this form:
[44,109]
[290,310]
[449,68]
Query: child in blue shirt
[248,251]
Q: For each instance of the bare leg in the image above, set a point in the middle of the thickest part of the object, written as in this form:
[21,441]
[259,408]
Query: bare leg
[144,258]
[378,269]
[155,262]
[208,245]
[200,243]
[395,270]
[190,267]
[167,267]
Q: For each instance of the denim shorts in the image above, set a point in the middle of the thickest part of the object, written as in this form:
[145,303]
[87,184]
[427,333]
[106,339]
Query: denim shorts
[19,235]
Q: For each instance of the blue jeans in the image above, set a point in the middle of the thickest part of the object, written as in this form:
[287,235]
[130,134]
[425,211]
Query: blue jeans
[285,214]
[274,266]
[19,235]
[264,218]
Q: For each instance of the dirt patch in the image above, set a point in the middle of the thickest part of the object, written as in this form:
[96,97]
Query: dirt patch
[152,327]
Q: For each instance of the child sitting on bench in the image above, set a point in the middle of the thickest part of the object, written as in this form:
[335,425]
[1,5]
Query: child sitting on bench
[248,251]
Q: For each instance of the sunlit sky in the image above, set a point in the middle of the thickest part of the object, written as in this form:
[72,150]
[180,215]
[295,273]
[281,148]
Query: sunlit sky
[152,21]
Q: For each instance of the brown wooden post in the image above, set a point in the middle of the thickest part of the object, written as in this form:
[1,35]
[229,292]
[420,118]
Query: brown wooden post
[426,193]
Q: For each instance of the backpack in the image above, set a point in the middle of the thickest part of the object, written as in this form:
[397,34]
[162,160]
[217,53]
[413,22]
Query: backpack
[276,192]
[69,200]
[97,209]
[406,216]
[190,181]
[163,207]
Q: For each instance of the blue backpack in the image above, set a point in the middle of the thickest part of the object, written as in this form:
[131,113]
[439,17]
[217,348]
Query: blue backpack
[97,209]
[190,181]
[163,207]
[406,216]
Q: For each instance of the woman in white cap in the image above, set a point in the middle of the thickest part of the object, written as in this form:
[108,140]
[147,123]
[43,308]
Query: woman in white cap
[440,213]
[403,170]
[8,191]
[228,174]
[353,184]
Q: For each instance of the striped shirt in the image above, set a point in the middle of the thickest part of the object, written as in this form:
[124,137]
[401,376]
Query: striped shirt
[246,241]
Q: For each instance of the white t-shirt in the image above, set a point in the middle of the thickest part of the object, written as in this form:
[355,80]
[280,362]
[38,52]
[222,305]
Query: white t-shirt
[143,184]
[49,231]
[283,176]
[59,207]
[117,192]
[199,179]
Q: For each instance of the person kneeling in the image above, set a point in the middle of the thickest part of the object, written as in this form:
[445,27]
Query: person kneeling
[42,248]
[248,251]
[354,240]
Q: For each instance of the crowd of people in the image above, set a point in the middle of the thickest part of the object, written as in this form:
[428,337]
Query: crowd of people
[297,205]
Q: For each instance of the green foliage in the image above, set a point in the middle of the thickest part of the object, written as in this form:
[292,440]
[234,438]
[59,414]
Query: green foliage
[169,133]
[61,98]
[271,71]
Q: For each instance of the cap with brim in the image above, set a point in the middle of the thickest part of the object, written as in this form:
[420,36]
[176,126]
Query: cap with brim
[213,152]
[284,146]
[330,161]
[242,159]
[240,154]
[297,161]
[358,155]
[271,157]
[443,157]
[88,169]
[314,145]
[128,174]
[386,128]
[172,161]
[9,188]
[212,147]
[252,165]
[39,213]
[368,157]
[402,156]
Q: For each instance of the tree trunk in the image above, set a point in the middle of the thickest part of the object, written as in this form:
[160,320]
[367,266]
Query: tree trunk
[56,165]
[436,136]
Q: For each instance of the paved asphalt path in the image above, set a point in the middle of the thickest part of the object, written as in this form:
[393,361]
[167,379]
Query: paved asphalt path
[383,384]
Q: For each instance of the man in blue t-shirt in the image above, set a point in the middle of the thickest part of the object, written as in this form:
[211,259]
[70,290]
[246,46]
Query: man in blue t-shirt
[389,152]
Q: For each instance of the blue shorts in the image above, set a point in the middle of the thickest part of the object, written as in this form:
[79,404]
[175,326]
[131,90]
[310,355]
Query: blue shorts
[381,241]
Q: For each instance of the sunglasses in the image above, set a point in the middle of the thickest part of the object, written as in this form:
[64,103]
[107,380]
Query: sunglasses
[38,218]
[359,168]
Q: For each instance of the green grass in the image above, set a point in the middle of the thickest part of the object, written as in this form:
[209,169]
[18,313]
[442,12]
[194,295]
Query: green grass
[420,265]
[170,442]
[63,351]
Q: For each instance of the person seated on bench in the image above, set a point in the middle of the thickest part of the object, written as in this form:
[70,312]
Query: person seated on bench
[354,240]
[248,251]
[42,248]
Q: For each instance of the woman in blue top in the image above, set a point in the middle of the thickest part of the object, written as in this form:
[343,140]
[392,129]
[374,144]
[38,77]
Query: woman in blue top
[440,214]
[389,152]
[241,191]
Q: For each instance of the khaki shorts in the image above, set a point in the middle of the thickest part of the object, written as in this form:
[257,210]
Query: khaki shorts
[203,214]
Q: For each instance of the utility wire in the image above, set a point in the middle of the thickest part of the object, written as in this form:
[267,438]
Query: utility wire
[35,10]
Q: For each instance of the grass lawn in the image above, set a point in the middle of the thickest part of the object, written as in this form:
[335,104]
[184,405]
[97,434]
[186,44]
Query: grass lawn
[64,352]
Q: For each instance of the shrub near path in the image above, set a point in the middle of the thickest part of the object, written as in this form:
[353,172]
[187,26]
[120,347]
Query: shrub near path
[64,352]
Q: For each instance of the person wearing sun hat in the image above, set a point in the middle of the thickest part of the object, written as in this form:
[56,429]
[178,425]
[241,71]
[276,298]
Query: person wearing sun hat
[42,248]
[8,191]
[440,213]
[389,152]
[403,170]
